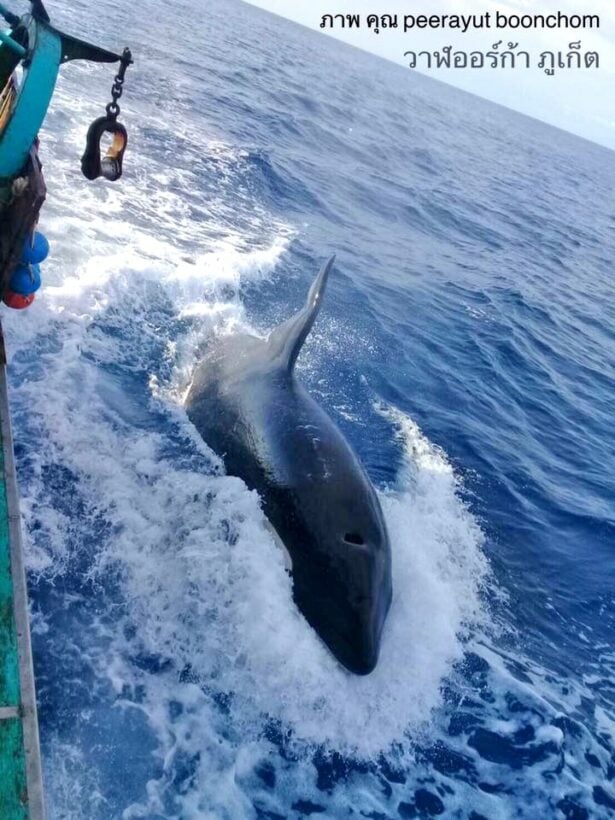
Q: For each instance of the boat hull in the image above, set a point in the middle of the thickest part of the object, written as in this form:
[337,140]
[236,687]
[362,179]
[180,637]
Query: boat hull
[21,793]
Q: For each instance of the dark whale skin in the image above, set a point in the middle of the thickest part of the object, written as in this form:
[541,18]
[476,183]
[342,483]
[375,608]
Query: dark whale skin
[251,409]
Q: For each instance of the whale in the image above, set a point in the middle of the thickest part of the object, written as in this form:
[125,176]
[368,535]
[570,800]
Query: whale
[249,406]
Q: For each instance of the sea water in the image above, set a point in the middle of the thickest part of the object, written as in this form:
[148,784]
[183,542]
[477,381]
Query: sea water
[465,348]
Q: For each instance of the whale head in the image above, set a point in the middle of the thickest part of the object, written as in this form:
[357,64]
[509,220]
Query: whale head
[342,568]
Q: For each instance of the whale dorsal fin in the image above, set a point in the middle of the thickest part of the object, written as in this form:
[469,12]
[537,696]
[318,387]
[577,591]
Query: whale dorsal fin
[287,339]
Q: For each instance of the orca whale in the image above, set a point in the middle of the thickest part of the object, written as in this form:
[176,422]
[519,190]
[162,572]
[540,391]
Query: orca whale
[247,403]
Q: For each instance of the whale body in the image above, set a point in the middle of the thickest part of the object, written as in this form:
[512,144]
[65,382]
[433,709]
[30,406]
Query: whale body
[248,405]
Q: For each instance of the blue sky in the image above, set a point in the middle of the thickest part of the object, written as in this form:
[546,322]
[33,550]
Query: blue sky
[579,101]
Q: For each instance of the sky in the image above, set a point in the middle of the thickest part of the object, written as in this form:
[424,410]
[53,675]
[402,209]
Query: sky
[580,101]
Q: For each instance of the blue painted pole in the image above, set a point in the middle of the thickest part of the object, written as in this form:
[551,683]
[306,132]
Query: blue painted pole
[10,43]
[31,105]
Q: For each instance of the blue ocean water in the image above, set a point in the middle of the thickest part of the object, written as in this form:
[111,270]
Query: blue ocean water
[465,347]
